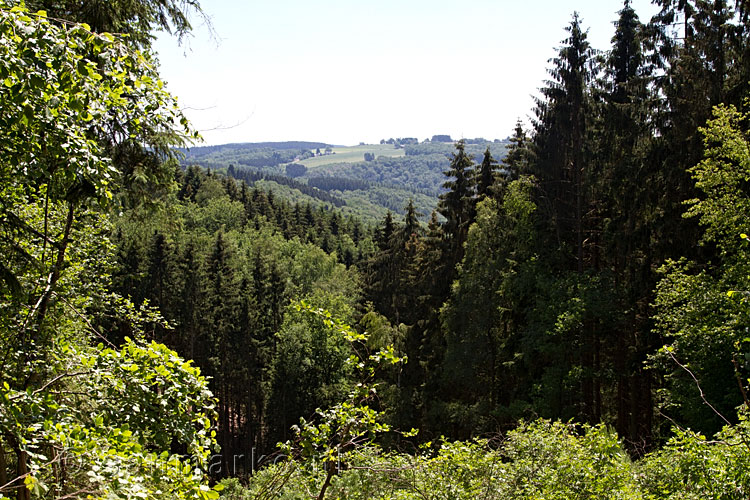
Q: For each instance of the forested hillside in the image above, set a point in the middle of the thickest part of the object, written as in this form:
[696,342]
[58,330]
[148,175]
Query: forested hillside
[366,181]
[560,315]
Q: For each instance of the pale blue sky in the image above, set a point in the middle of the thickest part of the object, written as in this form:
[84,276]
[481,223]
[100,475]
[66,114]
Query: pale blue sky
[345,71]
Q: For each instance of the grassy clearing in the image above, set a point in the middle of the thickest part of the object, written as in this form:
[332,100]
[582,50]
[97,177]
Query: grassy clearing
[352,154]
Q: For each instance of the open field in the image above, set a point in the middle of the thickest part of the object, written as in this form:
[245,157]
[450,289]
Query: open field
[346,154]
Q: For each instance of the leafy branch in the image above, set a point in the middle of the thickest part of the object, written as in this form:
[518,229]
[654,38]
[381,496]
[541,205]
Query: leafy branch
[328,439]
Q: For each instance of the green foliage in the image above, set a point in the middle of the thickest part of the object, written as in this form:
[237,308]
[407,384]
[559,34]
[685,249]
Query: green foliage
[310,367]
[366,189]
[457,204]
[550,314]
[295,170]
[110,418]
[69,93]
[552,460]
[339,431]
[702,310]
[82,116]
[722,177]
[135,18]
[538,460]
[372,204]
[227,272]
[480,320]
[690,466]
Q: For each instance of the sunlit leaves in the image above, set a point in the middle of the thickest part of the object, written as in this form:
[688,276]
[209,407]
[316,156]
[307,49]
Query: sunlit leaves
[68,96]
[140,401]
[703,309]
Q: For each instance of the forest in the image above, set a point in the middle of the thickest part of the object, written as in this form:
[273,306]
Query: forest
[570,320]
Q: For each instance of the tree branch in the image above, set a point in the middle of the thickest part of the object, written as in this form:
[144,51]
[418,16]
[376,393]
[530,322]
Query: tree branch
[698,385]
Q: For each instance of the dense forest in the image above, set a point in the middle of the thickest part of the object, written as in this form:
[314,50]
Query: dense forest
[570,320]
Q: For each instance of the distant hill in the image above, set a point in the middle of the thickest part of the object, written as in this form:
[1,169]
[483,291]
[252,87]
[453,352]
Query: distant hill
[367,180]
[262,155]
[418,167]
[249,146]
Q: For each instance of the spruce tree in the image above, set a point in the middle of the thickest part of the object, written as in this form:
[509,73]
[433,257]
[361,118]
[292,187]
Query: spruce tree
[190,279]
[411,227]
[565,172]
[408,241]
[221,337]
[626,187]
[706,62]
[561,128]
[486,175]
[158,272]
[457,203]
[483,319]
[519,156]
[384,232]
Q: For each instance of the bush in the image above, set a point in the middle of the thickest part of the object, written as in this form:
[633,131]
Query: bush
[538,460]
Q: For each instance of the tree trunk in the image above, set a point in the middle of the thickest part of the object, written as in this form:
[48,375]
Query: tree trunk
[327,483]
[22,470]
[3,465]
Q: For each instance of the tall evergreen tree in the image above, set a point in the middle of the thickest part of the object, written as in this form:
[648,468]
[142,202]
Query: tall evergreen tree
[457,203]
[486,174]
[382,277]
[561,127]
[706,62]
[158,272]
[626,188]
[483,319]
[190,281]
[564,169]
[519,156]
[221,338]
[251,373]
[408,243]
[385,231]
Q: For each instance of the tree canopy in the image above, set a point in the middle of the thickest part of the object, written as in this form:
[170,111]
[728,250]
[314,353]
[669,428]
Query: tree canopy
[78,110]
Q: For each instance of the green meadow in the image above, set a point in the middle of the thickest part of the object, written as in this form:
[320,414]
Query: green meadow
[352,154]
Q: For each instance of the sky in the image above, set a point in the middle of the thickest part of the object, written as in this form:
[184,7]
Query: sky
[349,71]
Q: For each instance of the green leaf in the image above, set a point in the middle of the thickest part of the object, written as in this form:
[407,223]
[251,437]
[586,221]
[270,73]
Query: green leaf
[11,282]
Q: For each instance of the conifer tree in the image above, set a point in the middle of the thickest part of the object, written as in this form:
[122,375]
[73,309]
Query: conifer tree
[565,171]
[519,156]
[411,227]
[379,279]
[486,175]
[158,272]
[190,307]
[138,19]
[251,373]
[384,233]
[386,268]
[221,336]
[127,278]
[482,321]
[230,187]
[626,191]
[703,50]
[457,203]
[561,127]
[408,241]
[191,183]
